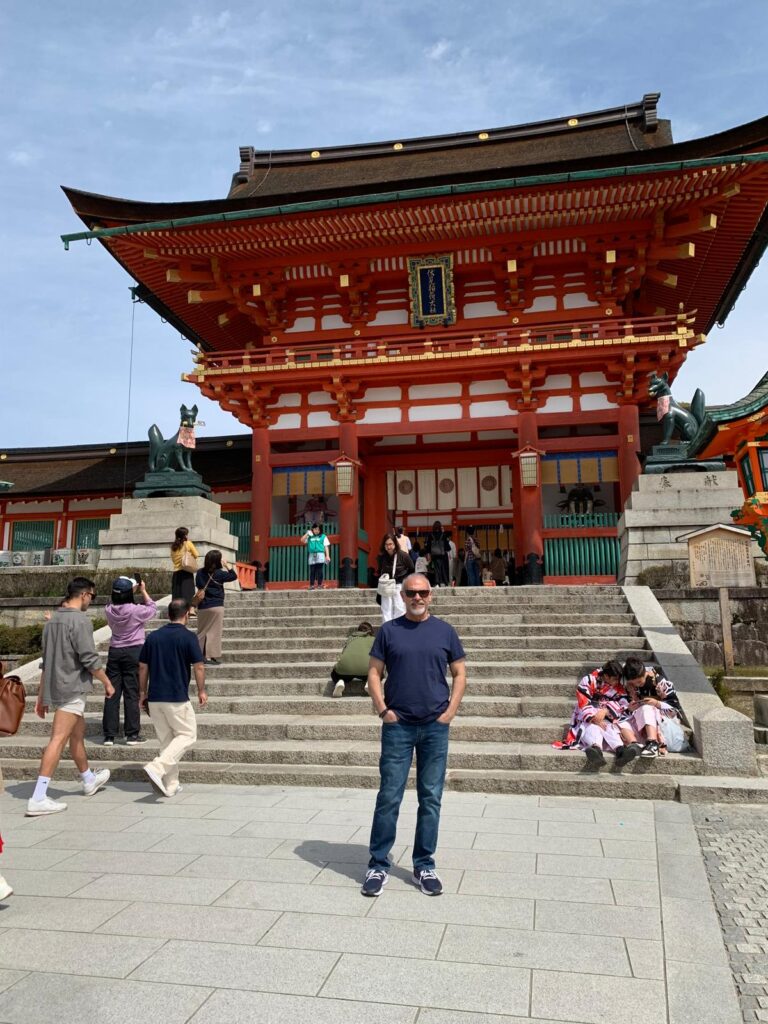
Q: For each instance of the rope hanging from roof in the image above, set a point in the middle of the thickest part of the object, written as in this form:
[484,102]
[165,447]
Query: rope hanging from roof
[134,301]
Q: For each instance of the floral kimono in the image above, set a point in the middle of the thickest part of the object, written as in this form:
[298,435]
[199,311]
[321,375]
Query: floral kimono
[593,694]
[661,689]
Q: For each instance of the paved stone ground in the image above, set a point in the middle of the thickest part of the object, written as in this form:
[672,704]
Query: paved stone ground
[734,839]
[230,904]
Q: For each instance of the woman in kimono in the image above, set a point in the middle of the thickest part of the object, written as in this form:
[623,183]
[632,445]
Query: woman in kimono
[652,698]
[598,722]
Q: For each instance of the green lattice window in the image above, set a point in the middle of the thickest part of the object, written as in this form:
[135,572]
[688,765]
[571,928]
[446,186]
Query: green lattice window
[87,532]
[32,535]
[746,472]
[240,526]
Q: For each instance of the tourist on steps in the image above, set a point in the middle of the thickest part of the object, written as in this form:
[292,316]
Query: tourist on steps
[318,554]
[126,619]
[395,564]
[651,700]
[184,557]
[210,612]
[354,659]
[598,721]
[168,655]
[416,708]
[70,663]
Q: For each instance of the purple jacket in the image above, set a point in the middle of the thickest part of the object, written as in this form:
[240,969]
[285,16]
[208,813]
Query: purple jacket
[127,622]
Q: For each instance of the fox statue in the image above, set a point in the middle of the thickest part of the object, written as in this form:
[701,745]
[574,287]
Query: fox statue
[176,452]
[671,415]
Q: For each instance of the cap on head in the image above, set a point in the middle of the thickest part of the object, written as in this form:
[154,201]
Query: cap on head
[122,590]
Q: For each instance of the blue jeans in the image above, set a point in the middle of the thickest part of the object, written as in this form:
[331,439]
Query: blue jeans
[473,572]
[398,742]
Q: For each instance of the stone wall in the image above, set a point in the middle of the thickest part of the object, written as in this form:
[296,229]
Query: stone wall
[696,614]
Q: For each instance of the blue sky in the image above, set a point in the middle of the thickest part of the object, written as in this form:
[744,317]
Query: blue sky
[151,102]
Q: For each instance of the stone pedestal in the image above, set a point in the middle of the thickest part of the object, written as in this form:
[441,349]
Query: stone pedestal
[664,506]
[140,536]
[171,483]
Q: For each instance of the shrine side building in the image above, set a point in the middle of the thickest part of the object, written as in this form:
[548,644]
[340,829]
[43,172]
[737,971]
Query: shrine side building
[455,327]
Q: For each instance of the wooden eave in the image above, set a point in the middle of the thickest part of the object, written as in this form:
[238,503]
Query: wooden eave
[596,207]
[726,427]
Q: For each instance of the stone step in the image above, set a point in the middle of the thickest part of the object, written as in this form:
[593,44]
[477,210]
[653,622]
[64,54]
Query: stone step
[501,644]
[333,632]
[470,616]
[319,683]
[355,721]
[614,786]
[486,756]
[563,664]
[498,595]
[474,610]
[306,703]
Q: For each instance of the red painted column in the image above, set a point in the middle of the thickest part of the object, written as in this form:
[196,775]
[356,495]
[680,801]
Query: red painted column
[529,521]
[375,506]
[261,494]
[348,503]
[629,446]
[60,541]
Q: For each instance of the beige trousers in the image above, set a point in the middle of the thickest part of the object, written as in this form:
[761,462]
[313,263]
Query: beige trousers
[176,728]
[210,623]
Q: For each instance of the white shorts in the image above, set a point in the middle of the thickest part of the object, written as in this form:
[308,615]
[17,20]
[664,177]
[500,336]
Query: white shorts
[76,706]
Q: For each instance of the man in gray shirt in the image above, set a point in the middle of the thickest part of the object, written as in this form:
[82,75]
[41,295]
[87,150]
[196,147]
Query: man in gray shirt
[70,664]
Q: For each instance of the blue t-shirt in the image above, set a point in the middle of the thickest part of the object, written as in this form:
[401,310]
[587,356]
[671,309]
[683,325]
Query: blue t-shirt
[170,652]
[417,656]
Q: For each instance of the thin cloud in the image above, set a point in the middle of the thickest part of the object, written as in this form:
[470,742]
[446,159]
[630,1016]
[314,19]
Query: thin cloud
[438,50]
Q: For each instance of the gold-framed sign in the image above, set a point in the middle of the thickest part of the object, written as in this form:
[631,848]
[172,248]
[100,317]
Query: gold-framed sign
[431,291]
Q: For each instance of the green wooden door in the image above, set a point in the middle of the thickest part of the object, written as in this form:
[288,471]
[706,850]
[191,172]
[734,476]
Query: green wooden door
[240,527]
[87,532]
[35,535]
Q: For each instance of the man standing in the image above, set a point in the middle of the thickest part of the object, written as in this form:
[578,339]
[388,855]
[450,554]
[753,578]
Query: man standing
[165,661]
[70,664]
[436,546]
[416,709]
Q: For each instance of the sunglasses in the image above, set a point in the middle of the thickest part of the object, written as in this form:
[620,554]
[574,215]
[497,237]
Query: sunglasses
[417,593]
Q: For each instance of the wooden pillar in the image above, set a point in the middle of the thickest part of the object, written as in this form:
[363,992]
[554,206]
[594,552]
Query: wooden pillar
[60,540]
[629,446]
[261,494]
[531,543]
[348,503]
[375,521]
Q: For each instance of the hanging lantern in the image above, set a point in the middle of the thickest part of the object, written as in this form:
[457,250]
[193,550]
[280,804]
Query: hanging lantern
[345,474]
[529,466]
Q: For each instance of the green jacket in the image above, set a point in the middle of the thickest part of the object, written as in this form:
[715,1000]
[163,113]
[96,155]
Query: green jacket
[353,661]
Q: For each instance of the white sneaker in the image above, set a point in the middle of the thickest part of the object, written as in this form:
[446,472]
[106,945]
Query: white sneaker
[156,779]
[5,889]
[101,778]
[174,792]
[36,808]
[338,689]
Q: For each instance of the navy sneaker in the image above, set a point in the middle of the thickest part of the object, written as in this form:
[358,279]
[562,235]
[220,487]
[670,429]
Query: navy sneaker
[595,757]
[375,880]
[626,754]
[428,881]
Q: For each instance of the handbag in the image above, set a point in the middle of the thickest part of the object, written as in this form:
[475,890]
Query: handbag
[12,700]
[188,561]
[200,594]
[674,735]
[387,585]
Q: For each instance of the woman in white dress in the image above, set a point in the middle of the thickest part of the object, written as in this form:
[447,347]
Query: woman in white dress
[395,564]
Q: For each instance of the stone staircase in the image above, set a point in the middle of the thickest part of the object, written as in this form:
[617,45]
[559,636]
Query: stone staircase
[271,719]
